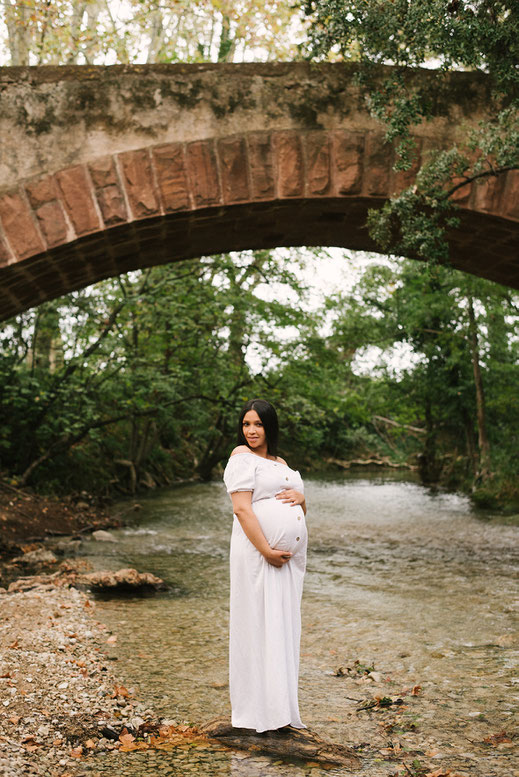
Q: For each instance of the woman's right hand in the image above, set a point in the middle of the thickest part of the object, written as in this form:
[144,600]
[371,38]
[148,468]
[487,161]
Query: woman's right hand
[277,557]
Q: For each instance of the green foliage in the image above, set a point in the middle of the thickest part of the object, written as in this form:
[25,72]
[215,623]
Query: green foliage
[158,356]
[451,36]
[429,311]
[138,380]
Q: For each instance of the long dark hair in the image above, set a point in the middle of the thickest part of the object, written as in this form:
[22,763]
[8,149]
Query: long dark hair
[269,419]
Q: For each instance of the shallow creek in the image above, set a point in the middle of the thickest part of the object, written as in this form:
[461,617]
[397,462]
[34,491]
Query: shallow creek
[412,584]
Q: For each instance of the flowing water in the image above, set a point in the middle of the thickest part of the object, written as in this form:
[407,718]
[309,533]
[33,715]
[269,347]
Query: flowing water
[411,584]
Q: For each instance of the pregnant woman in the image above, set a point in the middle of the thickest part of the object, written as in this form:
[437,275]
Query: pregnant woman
[268,559]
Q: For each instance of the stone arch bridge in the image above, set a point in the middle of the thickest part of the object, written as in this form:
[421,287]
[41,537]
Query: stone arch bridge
[108,169]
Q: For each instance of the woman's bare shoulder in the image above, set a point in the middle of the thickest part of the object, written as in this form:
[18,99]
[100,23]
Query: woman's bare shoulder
[240,449]
[281,461]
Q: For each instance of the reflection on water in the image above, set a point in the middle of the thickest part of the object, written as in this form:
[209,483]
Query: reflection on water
[400,578]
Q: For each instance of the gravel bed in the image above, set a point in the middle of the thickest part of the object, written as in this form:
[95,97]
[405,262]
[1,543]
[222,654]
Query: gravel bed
[59,694]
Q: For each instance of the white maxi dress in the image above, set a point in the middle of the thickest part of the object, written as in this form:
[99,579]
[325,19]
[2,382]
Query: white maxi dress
[265,605]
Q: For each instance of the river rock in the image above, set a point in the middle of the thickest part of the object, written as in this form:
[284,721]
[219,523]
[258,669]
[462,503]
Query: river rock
[122,579]
[103,536]
[64,547]
[41,556]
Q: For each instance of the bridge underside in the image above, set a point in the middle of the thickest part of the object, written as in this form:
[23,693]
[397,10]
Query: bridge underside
[484,245]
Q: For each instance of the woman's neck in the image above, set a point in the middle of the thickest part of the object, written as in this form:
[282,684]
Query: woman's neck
[261,451]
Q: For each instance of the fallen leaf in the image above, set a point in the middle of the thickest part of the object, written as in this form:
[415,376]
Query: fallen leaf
[90,744]
[126,739]
[496,739]
[120,690]
[134,746]
[15,719]
[164,731]
[416,690]
[112,640]
[76,752]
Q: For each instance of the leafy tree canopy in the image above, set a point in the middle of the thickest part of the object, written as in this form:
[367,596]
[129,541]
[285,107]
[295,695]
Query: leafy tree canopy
[38,32]
[477,35]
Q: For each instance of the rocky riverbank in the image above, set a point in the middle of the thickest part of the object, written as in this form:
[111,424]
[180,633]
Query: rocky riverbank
[60,697]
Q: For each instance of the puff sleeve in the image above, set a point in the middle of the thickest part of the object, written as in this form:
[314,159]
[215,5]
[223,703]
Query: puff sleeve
[240,473]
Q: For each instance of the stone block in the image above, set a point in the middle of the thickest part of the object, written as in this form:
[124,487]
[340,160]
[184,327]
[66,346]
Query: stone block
[5,257]
[203,173]
[112,206]
[462,195]
[19,227]
[42,191]
[510,198]
[261,165]
[44,196]
[78,198]
[347,161]
[234,169]
[377,166]
[486,194]
[318,176]
[103,172]
[291,173]
[171,172]
[110,197]
[52,223]
[138,182]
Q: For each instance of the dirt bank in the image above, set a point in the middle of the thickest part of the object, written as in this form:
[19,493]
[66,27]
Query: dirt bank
[26,517]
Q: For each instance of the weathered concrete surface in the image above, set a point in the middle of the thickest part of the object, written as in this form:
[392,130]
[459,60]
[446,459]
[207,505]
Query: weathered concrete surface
[106,169]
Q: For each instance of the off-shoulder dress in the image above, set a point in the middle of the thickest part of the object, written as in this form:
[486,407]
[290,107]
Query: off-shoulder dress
[265,603]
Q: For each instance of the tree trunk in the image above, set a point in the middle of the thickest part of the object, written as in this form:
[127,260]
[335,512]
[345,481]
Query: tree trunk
[17,32]
[428,465]
[471,447]
[78,11]
[483,442]
[428,461]
[226,47]
[156,36]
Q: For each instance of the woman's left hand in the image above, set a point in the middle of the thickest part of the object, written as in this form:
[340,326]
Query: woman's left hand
[291,496]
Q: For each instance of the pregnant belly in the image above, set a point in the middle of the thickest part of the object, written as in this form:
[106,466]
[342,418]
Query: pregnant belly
[282,524]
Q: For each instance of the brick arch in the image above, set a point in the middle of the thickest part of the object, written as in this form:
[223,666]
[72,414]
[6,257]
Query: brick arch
[177,200]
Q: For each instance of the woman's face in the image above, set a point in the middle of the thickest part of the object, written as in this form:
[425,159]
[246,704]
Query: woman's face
[253,430]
